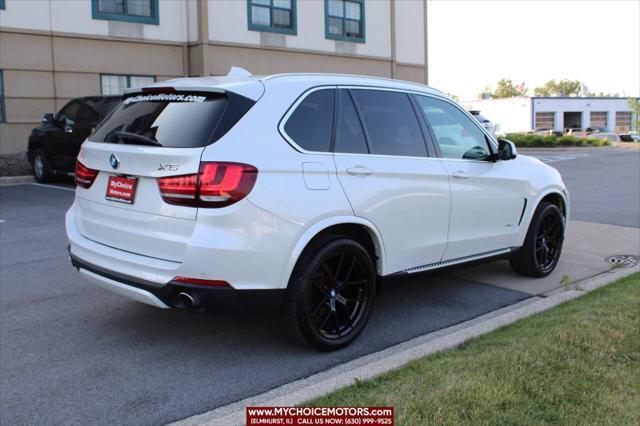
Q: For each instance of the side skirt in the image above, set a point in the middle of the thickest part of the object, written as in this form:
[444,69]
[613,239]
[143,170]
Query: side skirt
[460,261]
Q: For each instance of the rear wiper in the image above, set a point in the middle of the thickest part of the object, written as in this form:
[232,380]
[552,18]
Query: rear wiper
[123,136]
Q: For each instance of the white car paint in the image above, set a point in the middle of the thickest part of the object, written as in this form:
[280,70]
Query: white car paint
[418,211]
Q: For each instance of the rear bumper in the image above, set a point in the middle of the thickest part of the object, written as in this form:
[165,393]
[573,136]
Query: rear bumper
[240,244]
[210,299]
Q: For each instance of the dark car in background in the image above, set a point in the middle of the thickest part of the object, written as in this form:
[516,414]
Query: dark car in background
[54,146]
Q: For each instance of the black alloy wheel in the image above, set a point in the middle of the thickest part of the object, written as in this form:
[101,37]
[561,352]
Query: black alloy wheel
[548,242]
[540,253]
[330,294]
[340,295]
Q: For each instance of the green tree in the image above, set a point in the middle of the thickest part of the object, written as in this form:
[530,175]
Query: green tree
[559,88]
[506,89]
[634,103]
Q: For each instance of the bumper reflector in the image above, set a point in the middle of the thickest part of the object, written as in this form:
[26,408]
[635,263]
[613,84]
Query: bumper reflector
[198,281]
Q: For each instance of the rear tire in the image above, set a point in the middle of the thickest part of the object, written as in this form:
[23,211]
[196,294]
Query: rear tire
[330,294]
[539,255]
[41,169]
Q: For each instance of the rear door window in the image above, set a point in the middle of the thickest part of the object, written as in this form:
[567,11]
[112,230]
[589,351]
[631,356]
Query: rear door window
[349,133]
[310,125]
[176,120]
[391,123]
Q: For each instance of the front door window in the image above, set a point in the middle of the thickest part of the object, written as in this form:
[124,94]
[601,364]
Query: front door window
[456,134]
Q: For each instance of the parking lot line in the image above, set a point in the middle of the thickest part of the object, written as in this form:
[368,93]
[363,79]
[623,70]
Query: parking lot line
[54,187]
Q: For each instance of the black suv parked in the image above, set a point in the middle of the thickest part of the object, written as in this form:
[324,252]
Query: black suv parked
[54,146]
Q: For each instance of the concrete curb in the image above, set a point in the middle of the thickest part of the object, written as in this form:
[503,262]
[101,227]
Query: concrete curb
[15,180]
[372,365]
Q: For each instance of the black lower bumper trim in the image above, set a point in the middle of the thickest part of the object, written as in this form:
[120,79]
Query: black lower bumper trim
[209,299]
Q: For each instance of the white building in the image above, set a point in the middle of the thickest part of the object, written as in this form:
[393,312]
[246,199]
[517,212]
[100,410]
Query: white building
[53,51]
[520,114]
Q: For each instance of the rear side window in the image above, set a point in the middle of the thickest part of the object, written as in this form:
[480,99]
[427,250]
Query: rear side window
[311,123]
[391,123]
[176,120]
[349,134]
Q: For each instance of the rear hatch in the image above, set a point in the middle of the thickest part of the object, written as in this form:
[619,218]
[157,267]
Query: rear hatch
[149,136]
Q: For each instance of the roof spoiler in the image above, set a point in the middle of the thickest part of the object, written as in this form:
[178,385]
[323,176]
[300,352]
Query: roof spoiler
[170,89]
[238,72]
[237,81]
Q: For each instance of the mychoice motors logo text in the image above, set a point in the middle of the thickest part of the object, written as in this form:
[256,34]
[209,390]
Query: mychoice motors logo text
[165,97]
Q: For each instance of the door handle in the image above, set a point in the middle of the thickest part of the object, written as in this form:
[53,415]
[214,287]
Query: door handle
[460,175]
[359,170]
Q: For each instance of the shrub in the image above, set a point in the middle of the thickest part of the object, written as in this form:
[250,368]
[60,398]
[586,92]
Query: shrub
[539,141]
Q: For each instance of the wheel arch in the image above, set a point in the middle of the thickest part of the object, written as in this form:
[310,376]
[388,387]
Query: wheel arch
[32,147]
[554,195]
[557,199]
[357,228]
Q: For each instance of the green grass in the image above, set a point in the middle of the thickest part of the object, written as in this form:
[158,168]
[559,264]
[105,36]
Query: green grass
[578,363]
[539,141]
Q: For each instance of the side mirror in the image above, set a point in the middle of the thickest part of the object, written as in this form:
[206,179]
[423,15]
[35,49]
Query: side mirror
[506,150]
[68,125]
[47,118]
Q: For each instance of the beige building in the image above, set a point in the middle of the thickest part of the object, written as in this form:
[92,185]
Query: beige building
[54,50]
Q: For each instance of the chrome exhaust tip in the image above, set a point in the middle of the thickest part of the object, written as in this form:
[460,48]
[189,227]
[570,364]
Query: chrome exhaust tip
[188,300]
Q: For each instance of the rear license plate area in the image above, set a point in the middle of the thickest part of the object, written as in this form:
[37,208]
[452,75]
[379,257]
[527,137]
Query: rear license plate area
[121,189]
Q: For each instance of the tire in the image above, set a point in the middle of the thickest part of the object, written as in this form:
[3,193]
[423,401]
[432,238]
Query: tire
[539,255]
[41,169]
[330,294]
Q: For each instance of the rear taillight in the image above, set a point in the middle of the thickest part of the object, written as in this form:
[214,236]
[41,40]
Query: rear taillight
[217,185]
[84,175]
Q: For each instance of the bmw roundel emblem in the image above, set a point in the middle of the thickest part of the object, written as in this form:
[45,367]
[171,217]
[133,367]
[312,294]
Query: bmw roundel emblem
[114,161]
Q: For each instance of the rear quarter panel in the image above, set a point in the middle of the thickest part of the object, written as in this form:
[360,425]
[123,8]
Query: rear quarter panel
[280,189]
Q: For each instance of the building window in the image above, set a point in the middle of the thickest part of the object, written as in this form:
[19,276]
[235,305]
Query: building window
[277,16]
[623,121]
[2,6]
[117,84]
[3,118]
[598,120]
[142,11]
[344,20]
[545,120]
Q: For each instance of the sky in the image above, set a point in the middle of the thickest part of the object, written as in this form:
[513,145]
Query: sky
[475,43]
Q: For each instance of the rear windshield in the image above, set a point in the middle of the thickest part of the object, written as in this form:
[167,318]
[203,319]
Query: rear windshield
[175,120]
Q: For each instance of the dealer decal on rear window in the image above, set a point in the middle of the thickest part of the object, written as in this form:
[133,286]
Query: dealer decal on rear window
[165,97]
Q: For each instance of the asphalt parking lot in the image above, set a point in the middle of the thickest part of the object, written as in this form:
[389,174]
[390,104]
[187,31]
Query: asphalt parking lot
[72,353]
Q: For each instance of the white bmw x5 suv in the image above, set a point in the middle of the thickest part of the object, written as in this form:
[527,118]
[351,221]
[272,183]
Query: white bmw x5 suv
[297,193]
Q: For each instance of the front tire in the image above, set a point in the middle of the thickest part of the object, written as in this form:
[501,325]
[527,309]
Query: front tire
[41,169]
[539,255]
[330,294]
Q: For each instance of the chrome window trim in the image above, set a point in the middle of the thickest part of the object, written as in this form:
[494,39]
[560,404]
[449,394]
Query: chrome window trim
[303,96]
[290,111]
